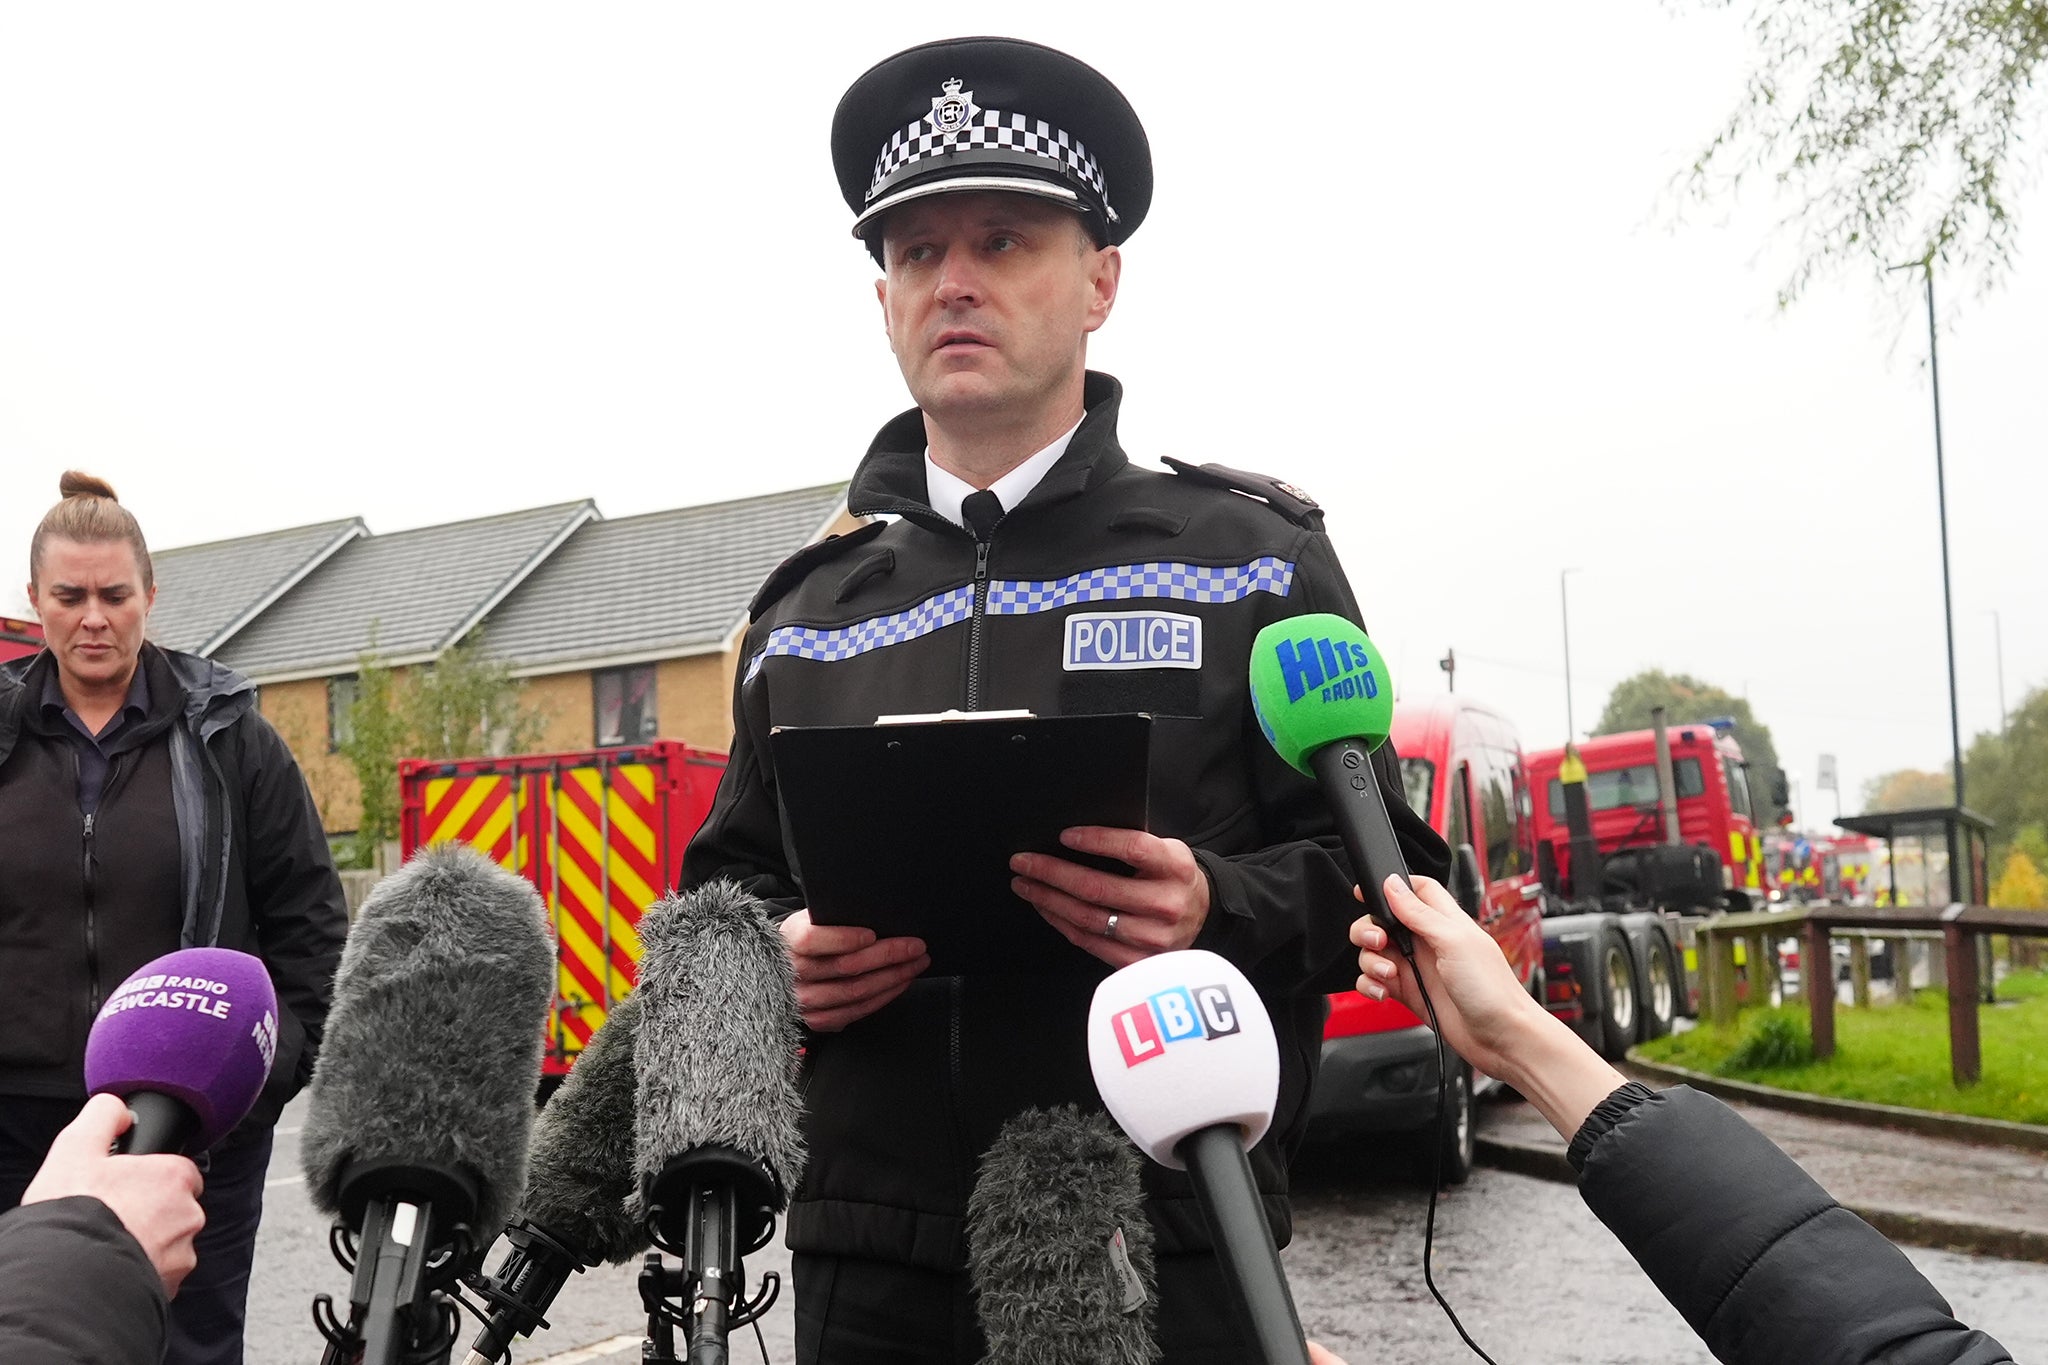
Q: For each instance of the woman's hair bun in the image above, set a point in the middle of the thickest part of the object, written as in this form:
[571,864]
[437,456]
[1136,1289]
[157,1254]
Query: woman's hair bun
[77,485]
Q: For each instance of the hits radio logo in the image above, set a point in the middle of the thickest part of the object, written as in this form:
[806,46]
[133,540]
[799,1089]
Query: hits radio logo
[1340,669]
[1182,1014]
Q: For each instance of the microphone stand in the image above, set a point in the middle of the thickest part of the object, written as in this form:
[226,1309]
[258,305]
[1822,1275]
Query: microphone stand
[710,1207]
[415,1243]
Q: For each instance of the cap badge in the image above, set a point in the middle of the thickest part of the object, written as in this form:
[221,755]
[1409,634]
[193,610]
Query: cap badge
[951,110]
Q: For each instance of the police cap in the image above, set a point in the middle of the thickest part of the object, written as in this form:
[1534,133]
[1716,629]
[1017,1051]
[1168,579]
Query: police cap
[991,114]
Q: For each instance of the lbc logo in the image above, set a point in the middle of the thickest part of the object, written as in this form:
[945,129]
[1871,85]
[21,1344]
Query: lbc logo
[1173,1016]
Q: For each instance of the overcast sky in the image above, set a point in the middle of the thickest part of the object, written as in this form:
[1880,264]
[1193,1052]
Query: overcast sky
[264,265]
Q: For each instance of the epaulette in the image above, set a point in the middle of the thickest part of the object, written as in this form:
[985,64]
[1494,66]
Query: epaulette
[1289,501]
[792,570]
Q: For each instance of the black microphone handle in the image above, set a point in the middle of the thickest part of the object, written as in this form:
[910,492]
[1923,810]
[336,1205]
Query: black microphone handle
[1244,1243]
[162,1125]
[1344,770]
[399,1236]
[712,1272]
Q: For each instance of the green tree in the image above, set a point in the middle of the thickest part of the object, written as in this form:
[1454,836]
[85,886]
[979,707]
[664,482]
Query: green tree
[1908,789]
[1898,127]
[2006,776]
[377,737]
[463,705]
[1687,700]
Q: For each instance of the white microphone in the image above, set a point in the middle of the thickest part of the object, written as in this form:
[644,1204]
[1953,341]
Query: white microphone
[1186,1061]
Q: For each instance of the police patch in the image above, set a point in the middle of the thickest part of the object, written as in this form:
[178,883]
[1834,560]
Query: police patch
[1122,640]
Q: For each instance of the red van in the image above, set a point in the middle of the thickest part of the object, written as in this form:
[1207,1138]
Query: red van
[1463,768]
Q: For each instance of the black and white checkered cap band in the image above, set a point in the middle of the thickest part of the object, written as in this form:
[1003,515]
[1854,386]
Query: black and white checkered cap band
[990,129]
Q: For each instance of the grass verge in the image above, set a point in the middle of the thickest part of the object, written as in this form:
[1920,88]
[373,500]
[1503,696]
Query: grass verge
[1893,1054]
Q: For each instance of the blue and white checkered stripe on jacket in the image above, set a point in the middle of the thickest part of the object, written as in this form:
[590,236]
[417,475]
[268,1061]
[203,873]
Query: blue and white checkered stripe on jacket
[1023,597]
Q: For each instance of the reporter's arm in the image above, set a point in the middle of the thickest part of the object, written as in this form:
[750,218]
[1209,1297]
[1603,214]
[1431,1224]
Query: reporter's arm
[1760,1261]
[1757,1257]
[75,1285]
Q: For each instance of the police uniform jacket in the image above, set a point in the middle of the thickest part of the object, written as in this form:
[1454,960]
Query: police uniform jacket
[912,615]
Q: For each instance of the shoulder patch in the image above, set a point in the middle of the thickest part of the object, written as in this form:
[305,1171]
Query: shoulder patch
[792,571]
[1289,501]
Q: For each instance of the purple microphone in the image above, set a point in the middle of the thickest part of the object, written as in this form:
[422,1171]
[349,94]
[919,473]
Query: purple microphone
[187,1042]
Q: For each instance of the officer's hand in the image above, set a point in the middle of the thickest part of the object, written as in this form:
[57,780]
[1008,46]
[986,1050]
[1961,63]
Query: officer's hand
[1159,908]
[155,1197]
[845,973]
[1322,1355]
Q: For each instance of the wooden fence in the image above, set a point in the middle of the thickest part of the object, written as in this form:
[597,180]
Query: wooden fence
[1960,927]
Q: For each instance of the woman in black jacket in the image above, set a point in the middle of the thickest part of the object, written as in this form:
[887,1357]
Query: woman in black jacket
[146,806]
[1757,1258]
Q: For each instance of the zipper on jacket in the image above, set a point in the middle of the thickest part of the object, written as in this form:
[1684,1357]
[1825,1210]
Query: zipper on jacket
[974,625]
[92,933]
[958,1087]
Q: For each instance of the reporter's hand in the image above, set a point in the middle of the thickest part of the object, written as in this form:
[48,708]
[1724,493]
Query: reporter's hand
[1322,1355]
[844,973]
[1482,1009]
[1479,1003]
[155,1197]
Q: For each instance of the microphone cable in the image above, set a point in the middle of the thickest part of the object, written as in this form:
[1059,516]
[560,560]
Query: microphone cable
[1436,1172]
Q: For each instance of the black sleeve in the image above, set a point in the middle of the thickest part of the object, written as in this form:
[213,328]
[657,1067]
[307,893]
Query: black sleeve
[1758,1259]
[296,904]
[74,1285]
[741,838]
[1283,912]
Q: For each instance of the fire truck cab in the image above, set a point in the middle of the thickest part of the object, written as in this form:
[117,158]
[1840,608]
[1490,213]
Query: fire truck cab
[1715,806]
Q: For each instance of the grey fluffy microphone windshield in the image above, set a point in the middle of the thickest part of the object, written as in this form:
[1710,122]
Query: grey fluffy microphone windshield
[582,1178]
[719,1147]
[1058,1244]
[717,1052]
[432,1050]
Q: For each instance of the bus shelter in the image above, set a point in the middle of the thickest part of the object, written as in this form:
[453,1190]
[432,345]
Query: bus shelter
[1936,856]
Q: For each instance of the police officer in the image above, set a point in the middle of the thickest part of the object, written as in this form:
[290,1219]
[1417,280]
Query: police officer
[1025,563]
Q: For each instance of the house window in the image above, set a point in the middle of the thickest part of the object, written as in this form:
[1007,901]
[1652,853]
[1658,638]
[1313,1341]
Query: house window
[341,699]
[624,700]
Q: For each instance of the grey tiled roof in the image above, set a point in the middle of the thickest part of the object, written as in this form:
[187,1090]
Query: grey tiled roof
[661,583]
[415,591]
[206,592]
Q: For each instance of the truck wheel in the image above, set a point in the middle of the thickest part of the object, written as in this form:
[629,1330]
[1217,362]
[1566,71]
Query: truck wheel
[1617,981]
[1660,989]
[1455,1145]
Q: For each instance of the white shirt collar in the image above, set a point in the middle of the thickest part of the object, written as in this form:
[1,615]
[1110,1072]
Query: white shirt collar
[946,491]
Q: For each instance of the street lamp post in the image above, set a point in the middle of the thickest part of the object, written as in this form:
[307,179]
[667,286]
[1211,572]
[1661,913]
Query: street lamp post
[1998,651]
[1955,728]
[1565,611]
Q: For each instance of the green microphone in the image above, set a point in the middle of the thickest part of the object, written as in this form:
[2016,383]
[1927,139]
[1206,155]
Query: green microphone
[1326,701]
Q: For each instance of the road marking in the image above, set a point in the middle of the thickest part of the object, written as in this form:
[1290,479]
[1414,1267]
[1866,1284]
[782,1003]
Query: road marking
[284,1180]
[584,1355]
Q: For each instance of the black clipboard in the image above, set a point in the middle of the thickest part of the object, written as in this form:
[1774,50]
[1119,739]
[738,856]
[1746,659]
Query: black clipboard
[908,829]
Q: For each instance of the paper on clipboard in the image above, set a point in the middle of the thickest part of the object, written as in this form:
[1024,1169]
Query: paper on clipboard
[908,828]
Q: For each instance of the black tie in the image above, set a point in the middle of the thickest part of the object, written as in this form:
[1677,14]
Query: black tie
[983,510]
